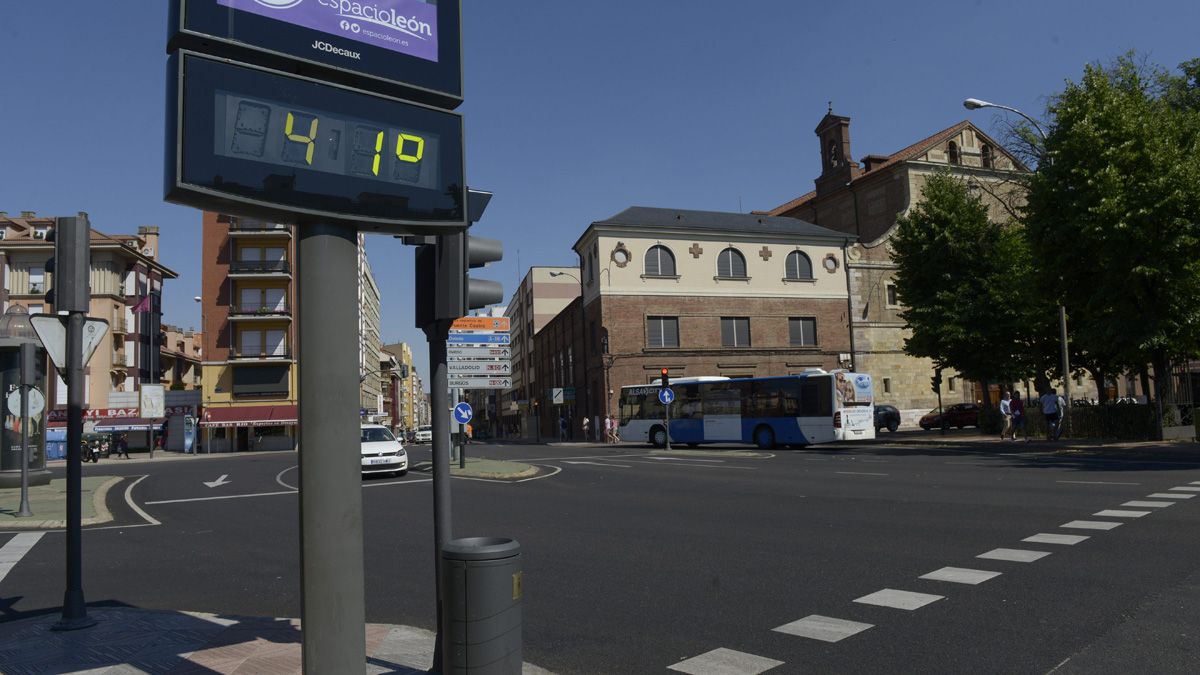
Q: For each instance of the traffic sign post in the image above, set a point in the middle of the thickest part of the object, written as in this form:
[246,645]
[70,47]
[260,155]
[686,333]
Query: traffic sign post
[666,396]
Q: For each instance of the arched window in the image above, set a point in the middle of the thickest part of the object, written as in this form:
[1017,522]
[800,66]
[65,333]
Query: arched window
[952,152]
[798,266]
[731,263]
[985,156]
[660,262]
[833,153]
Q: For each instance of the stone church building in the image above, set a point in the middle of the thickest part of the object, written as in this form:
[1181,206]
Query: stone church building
[864,199]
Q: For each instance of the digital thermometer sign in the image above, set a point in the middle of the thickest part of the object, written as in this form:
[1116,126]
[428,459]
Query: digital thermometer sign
[244,139]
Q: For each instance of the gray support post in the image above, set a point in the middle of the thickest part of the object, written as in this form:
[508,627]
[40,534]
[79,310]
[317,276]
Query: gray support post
[1066,366]
[26,386]
[74,610]
[332,601]
[440,444]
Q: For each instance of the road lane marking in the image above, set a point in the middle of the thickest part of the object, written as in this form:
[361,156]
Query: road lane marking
[1118,513]
[619,466]
[16,548]
[725,662]
[860,473]
[1171,495]
[279,477]
[133,505]
[685,459]
[1186,489]
[823,628]
[1013,555]
[1049,538]
[556,470]
[1090,525]
[907,600]
[1149,505]
[697,466]
[1094,482]
[960,575]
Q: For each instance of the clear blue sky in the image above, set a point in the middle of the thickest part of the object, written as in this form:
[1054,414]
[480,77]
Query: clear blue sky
[574,110]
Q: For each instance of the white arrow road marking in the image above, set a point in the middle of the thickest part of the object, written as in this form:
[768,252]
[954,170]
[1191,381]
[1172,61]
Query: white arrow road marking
[219,482]
[623,466]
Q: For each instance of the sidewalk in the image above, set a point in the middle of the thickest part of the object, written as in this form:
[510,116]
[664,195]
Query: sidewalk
[129,641]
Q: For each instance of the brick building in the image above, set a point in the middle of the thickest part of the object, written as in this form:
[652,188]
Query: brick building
[863,200]
[701,293]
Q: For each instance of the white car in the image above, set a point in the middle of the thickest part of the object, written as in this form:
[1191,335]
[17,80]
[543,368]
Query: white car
[424,434]
[382,452]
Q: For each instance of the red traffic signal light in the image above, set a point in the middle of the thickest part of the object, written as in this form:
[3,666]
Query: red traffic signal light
[666,380]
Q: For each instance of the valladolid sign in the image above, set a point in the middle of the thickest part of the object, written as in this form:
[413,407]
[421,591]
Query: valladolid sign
[407,48]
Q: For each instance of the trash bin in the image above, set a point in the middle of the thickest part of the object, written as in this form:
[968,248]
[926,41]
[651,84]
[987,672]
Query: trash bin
[481,606]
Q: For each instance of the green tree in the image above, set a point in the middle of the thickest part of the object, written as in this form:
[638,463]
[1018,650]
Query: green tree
[962,280]
[1113,214]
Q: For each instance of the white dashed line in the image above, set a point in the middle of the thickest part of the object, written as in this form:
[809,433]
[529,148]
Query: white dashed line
[860,473]
[1196,482]
[16,548]
[960,575]
[1090,525]
[1149,505]
[823,628]
[1093,482]
[725,662]
[1048,538]
[1186,488]
[890,597]
[1118,513]
[1013,555]
[1171,495]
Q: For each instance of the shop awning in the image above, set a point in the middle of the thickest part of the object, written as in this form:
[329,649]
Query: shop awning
[250,416]
[127,424]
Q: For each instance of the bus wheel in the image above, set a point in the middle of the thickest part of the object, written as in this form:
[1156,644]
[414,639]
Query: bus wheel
[658,437]
[764,438]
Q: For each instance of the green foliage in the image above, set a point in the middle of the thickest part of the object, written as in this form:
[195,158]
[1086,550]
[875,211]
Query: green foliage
[990,420]
[962,281]
[1113,213]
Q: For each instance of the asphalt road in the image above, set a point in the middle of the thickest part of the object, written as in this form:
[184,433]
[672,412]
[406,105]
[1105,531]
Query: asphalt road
[637,561]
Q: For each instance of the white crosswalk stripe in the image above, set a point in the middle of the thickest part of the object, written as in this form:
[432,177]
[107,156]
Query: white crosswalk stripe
[1049,538]
[1187,488]
[960,575]
[1148,505]
[823,628]
[16,548]
[1013,555]
[1090,525]
[725,662]
[890,597]
[1118,513]
[1171,495]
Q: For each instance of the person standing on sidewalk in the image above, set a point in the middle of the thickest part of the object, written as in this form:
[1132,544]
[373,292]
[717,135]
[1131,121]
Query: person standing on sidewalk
[1006,415]
[1052,412]
[587,427]
[123,446]
[1017,407]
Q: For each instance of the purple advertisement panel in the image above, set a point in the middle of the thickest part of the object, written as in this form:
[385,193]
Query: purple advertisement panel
[405,26]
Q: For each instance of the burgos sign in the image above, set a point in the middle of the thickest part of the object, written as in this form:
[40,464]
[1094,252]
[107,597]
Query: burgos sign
[405,26]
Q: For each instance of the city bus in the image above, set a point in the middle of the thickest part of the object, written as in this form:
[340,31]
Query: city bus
[794,410]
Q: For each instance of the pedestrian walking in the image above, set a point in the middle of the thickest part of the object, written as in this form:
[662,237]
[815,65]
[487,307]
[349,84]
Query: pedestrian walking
[562,428]
[1052,410]
[607,429]
[123,446]
[1006,415]
[1017,407]
[615,433]
[587,428]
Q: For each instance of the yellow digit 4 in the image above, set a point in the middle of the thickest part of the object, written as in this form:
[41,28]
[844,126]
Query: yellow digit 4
[415,156]
[309,139]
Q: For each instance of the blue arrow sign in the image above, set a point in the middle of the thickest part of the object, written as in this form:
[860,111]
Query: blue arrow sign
[463,413]
[479,338]
[665,396]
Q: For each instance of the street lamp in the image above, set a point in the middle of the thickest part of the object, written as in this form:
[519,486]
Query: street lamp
[976,104]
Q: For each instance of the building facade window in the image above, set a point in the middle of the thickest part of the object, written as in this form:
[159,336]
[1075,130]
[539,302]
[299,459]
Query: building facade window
[887,385]
[950,383]
[802,331]
[892,299]
[985,156]
[735,331]
[37,280]
[662,332]
[660,262]
[952,152]
[798,266]
[731,264]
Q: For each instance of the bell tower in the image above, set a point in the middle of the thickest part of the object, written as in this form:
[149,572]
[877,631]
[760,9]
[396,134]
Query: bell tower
[837,167]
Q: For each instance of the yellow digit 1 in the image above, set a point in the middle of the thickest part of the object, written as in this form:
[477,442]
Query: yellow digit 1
[309,139]
[414,157]
[378,148]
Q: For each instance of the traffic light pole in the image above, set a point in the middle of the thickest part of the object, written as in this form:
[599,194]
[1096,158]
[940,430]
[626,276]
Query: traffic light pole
[74,610]
[332,602]
[439,405]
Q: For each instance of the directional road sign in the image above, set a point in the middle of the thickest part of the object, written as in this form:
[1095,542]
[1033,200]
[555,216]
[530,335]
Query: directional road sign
[478,338]
[477,323]
[479,382]
[463,413]
[51,329]
[665,396]
[487,352]
[486,368]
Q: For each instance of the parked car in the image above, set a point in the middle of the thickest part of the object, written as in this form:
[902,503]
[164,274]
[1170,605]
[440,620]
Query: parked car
[424,434]
[958,415]
[886,416]
[381,451]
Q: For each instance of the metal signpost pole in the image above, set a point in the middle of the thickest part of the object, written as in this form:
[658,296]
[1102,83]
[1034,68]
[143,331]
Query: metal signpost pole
[333,615]
[74,611]
[440,412]
[24,511]
[667,430]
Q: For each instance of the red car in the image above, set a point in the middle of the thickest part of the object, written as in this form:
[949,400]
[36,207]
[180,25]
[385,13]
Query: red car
[958,415]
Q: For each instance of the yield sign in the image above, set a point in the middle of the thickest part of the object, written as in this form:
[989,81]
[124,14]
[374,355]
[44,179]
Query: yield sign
[51,329]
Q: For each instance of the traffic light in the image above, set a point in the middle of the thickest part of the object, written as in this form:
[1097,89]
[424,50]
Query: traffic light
[479,293]
[71,265]
[444,287]
[936,382]
[666,379]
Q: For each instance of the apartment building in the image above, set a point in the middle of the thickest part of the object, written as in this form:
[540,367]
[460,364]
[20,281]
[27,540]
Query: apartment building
[370,344]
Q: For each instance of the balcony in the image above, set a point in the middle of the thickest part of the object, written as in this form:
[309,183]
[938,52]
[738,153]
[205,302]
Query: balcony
[118,359]
[259,311]
[259,268]
[261,355]
[118,327]
[248,227]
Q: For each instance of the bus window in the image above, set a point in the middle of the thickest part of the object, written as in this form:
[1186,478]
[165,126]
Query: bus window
[723,398]
[816,397]
[767,398]
[688,405]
